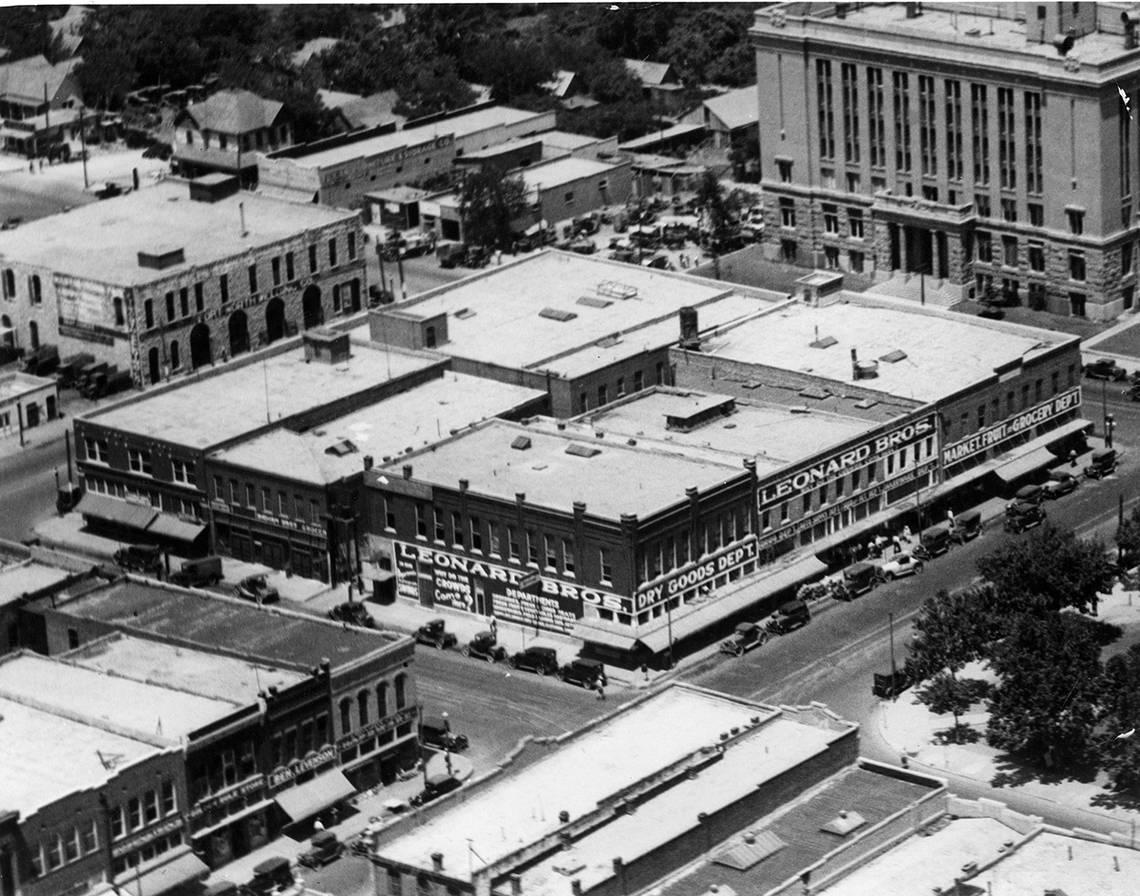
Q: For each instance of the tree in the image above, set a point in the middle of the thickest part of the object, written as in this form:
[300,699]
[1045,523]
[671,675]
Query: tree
[1120,757]
[1048,571]
[709,43]
[1045,705]
[1128,538]
[510,67]
[26,32]
[488,205]
[946,693]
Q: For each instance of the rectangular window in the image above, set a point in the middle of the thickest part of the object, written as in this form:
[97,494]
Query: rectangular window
[148,313]
[440,533]
[170,312]
[1076,219]
[825,110]
[96,450]
[199,297]
[282,504]
[531,548]
[787,212]
[1007,149]
[290,272]
[139,461]
[1009,210]
[118,822]
[1009,251]
[605,565]
[134,814]
[1077,309]
[785,169]
[927,125]
[312,259]
[1076,265]
[901,84]
[830,218]
[1126,259]
[788,251]
[275,267]
[512,543]
[849,76]
[332,253]
[984,246]
[1034,176]
[603,395]
[855,223]
[150,806]
[89,835]
[421,521]
[476,531]
[224,287]
[494,543]
[549,552]
[1036,257]
[54,852]
[954,130]
[831,257]
[351,246]
[877,125]
[71,845]
[1036,214]
[982,205]
[856,262]
[854,182]
[249,496]
[568,556]
[979,116]
[266,501]
[1124,115]
[184,301]
[169,798]
[456,529]
[253,278]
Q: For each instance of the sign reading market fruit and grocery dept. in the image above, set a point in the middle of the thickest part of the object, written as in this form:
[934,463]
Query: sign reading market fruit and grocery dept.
[1007,429]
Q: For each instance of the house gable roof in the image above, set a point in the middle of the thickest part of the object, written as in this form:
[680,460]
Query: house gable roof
[232,112]
[651,74]
[29,78]
[737,108]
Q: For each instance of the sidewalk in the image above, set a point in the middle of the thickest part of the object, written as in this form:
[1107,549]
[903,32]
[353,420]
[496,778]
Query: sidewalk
[913,732]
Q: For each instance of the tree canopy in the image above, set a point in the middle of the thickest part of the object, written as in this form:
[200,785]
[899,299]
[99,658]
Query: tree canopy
[489,203]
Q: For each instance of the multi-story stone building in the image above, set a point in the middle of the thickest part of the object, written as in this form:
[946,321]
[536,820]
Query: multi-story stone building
[990,147]
[175,277]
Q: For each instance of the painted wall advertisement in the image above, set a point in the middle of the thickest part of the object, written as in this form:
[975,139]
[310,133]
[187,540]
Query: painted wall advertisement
[83,302]
[735,557]
[510,594]
[1013,426]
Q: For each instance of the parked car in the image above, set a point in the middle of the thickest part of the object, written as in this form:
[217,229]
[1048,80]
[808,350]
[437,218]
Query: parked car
[145,558]
[899,566]
[1022,515]
[859,578]
[436,786]
[1104,369]
[437,733]
[748,636]
[790,616]
[450,255]
[198,572]
[43,361]
[1032,493]
[270,876]
[485,646]
[967,526]
[1060,482]
[888,686]
[932,542]
[324,847]
[257,589]
[352,612]
[435,634]
[543,660]
[1102,463]
[159,150]
[70,367]
[584,673]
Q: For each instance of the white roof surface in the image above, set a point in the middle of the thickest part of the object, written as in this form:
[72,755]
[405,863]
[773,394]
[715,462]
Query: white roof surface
[192,414]
[151,710]
[944,352]
[549,175]
[1045,863]
[410,420]
[619,479]
[524,807]
[508,300]
[46,757]
[193,671]
[101,241]
[24,578]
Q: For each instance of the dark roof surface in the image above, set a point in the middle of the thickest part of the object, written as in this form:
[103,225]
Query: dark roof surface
[233,112]
[874,796]
[228,625]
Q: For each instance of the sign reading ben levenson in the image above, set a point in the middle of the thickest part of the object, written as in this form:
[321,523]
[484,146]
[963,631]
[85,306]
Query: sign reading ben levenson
[553,604]
[1007,429]
[844,461]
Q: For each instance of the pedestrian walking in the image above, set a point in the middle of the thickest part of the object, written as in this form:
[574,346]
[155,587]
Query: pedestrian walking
[907,534]
[601,690]
[318,825]
[897,542]
[1072,458]
[645,671]
[494,625]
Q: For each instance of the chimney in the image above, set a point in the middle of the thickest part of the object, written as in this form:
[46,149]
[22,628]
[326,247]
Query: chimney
[368,461]
[913,10]
[437,861]
[463,484]
[690,329]
[520,497]
[1130,21]
[516,885]
[241,209]
[576,887]
[840,10]
[854,364]
[407,471]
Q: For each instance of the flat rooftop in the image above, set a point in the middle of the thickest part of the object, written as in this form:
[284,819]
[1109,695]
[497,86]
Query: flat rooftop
[212,622]
[773,435]
[618,479]
[408,421]
[256,393]
[618,753]
[551,175]
[941,353]
[1045,862]
[106,697]
[101,241]
[193,671]
[601,297]
[47,757]
[16,383]
[24,578]
[460,126]
[796,828]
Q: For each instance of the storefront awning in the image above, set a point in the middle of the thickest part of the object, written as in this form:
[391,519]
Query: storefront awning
[749,591]
[1027,463]
[113,510]
[182,869]
[309,798]
[593,632]
[168,526]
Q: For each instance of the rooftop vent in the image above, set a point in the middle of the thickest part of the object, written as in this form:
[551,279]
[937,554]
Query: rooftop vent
[341,448]
[212,187]
[464,313]
[893,357]
[813,392]
[754,849]
[579,450]
[162,257]
[609,341]
[616,290]
[521,443]
[557,314]
[825,342]
[326,346]
[844,823]
[594,302]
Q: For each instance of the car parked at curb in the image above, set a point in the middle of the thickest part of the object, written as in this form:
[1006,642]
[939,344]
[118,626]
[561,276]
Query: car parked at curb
[748,636]
[1022,515]
[899,566]
[352,612]
[1060,482]
[790,616]
[585,673]
[434,633]
[324,847]
[485,646]
[436,733]
[257,589]
[1105,369]
[542,660]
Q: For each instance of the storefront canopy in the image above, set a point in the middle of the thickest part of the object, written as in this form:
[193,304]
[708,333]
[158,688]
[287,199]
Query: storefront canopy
[755,589]
[308,799]
[182,869]
[1026,464]
[114,510]
[168,526]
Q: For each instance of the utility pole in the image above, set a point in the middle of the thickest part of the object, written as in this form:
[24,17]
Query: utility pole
[83,143]
[891,629]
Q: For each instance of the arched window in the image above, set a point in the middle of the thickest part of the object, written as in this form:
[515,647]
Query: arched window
[34,335]
[119,318]
[362,705]
[37,295]
[345,715]
[175,359]
[382,699]
[401,690]
[9,284]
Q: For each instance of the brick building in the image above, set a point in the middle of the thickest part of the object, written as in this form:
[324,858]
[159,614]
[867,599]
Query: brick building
[147,455]
[1008,167]
[315,709]
[226,132]
[175,277]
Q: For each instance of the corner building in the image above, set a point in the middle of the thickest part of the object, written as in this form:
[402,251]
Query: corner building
[985,146]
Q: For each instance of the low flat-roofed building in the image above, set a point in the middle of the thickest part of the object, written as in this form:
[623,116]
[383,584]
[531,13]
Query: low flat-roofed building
[172,278]
[88,803]
[320,470]
[731,757]
[153,446]
[26,401]
[566,304]
[339,171]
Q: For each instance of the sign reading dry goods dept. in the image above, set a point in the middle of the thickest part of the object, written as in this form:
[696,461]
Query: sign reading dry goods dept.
[511,594]
[1007,429]
[693,575]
